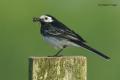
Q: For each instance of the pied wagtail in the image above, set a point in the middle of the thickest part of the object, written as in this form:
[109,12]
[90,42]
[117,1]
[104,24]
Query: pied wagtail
[60,36]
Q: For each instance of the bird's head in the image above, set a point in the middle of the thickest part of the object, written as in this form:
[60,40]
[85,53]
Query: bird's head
[44,19]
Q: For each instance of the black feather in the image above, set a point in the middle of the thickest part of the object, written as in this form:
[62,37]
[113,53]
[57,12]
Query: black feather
[90,49]
[60,25]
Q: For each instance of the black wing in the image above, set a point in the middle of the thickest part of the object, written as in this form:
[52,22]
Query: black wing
[61,32]
[63,29]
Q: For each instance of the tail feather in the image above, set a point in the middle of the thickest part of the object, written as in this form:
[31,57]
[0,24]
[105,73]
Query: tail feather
[90,49]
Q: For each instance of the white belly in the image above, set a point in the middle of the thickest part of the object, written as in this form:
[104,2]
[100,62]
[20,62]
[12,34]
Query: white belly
[59,43]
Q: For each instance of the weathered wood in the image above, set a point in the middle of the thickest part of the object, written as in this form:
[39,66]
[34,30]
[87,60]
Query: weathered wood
[58,68]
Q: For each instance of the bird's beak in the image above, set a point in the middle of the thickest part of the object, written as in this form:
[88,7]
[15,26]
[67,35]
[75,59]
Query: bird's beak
[35,19]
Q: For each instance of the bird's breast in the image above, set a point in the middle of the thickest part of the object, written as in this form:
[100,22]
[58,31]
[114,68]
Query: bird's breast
[59,42]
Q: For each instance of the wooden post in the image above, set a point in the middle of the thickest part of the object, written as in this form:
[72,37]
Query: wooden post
[58,68]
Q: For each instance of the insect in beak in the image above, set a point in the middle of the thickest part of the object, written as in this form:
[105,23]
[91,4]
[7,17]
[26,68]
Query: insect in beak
[35,19]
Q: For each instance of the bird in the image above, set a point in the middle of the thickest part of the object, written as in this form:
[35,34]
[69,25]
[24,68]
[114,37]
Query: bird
[60,36]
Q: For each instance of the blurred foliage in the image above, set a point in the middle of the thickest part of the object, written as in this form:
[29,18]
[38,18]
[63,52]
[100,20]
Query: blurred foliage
[20,38]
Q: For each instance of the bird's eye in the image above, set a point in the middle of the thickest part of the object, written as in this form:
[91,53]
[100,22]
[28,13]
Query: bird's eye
[46,18]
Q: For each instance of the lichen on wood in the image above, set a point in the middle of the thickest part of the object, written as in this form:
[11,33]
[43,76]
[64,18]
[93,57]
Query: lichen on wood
[58,68]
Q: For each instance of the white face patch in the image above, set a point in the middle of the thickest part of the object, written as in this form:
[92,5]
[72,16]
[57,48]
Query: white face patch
[46,18]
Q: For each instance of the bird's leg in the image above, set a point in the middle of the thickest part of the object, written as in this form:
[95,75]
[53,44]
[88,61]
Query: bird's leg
[57,54]
[60,51]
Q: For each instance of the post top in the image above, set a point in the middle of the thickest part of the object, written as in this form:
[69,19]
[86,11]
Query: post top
[39,57]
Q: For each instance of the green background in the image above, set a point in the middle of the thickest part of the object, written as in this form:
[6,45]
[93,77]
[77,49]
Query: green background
[20,38]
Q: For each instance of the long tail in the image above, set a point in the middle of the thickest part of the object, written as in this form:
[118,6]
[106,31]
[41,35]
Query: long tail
[90,49]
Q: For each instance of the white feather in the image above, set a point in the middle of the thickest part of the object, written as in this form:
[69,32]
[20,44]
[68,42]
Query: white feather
[59,43]
[46,18]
